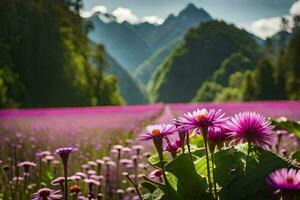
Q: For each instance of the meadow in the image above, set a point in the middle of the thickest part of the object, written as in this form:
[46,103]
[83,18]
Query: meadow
[100,153]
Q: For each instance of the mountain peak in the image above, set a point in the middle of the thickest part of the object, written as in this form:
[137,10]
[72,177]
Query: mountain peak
[191,6]
[191,10]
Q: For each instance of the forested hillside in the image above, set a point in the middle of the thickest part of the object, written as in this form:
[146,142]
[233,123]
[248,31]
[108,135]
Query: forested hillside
[202,52]
[44,57]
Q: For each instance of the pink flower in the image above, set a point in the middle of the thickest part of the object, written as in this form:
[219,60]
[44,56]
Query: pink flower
[26,165]
[200,119]
[47,194]
[157,131]
[173,146]
[251,127]
[285,180]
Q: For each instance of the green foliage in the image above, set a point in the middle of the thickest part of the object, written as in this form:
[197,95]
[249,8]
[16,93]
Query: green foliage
[237,174]
[235,62]
[11,89]
[249,86]
[296,156]
[154,159]
[293,73]
[202,52]
[186,182]
[207,92]
[252,179]
[264,79]
[44,44]
[290,126]
[229,94]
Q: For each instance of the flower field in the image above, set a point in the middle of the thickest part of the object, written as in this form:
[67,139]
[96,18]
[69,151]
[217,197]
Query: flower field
[190,152]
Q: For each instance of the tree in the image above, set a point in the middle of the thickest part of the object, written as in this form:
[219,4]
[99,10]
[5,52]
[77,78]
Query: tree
[207,92]
[264,80]
[293,69]
[45,48]
[249,87]
[279,75]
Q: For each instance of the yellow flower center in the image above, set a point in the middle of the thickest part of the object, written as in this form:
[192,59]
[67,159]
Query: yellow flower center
[155,132]
[290,179]
[201,117]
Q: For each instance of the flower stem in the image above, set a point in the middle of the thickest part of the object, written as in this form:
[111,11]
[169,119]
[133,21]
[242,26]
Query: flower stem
[188,145]
[182,136]
[66,182]
[207,162]
[248,155]
[135,186]
[158,142]
[214,177]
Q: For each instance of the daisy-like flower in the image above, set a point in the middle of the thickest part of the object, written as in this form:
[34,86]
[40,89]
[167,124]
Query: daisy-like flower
[157,131]
[200,119]
[60,180]
[47,194]
[285,181]
[64,153]
[251,127]
[26,166]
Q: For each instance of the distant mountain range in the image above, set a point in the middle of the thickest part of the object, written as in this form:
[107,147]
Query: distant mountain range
[136,50]
[172,59]
[132,44]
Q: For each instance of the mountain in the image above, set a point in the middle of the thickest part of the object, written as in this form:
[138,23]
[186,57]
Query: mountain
[202,52]
[145,70]
[130,89]
[132,44]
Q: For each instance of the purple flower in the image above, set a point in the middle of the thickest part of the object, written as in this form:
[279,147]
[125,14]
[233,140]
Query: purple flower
[285,180]
[47,194]
[156,175]
[59,181]
[64,153]
[26,165]
[251,127]
[157,131]
[173,146]
[218,134]
[200,119]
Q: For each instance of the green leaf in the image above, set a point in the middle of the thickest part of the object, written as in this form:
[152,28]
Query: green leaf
[190,185]
[155,161]
[150,184]
[296,156]
[241,181]
[290,126]
[155,195]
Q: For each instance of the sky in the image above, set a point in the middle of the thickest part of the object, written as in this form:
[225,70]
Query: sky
[261,17]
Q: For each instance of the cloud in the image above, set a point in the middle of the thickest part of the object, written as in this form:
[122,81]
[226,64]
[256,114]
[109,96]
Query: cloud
[295,9]
[269,26]
[121,14]
[89,13]
[266,27]
[125,14]
[153,19]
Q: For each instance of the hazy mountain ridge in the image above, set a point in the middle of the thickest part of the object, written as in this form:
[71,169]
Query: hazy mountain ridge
[130,89]
[132,44]
[146,69]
